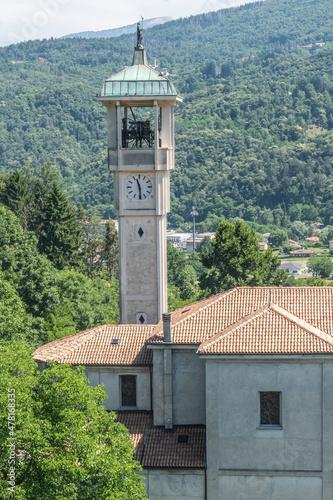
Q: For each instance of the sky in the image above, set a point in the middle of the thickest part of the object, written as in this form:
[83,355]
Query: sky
[23,20]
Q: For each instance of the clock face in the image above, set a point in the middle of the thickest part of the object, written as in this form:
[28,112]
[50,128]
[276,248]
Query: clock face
[139,186]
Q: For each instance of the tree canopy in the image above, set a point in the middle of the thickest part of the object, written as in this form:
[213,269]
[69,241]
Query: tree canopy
[278,238]
[253,136]
[63,442]
[235,260]
[41,302]
[181,278]
[320,266]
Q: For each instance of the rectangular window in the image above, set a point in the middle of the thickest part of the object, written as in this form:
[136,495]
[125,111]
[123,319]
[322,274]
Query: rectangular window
[270,409]
[128,390]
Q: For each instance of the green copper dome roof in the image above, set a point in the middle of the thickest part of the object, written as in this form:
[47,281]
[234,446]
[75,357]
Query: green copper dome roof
[140,79]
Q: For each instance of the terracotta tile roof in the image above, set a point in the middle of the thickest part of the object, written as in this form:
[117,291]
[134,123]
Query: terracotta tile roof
[157,447]
[163,449]
[95,346]
[193,324]
[270,330]
[137,423]
[302,252]
[202,320]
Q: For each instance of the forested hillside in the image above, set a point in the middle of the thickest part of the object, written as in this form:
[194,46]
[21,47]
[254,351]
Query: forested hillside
[254,135]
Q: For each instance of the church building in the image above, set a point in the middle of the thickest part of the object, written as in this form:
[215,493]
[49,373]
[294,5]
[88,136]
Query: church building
[228,398]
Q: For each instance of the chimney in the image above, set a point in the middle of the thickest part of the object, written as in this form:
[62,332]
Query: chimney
[167,327]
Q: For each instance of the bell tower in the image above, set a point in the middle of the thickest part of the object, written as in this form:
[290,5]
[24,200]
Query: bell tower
[140,102]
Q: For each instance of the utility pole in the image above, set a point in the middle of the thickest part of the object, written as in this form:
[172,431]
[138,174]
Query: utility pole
[194,213]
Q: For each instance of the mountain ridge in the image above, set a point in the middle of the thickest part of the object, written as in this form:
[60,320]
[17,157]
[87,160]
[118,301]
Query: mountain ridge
[115,32]
[254,135]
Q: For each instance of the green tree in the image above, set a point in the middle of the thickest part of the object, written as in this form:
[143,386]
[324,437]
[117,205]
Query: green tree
[181,274]
[287,249]
[299,229]
[60,236]
[84,303]
[15,322]
[66,444]
[91,242]
[236,260]
[278,238]
[17,196]
[32,275]
[326,235]
[320,266]
[204,246]
[110,250]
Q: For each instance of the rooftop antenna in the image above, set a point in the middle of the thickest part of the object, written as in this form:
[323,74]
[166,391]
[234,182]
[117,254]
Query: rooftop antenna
[194,213]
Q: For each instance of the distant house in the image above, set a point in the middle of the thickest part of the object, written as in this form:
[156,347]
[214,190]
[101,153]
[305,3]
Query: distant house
[302,253]
[292,242]
[178,240]
[292,268]
[263,245]
[330,243]
[312,239]
[317,225]
[198,239]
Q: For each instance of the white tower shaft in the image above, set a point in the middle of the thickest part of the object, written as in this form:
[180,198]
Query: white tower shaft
[140,103]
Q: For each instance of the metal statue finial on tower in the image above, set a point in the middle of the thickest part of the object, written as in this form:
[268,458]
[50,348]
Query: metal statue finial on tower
[139,30]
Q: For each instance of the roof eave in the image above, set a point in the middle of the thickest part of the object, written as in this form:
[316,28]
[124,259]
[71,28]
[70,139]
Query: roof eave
[176,345]
[163,97]
[303,357]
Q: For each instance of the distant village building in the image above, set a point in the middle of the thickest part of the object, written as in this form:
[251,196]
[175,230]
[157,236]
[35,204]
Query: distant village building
[311,45]
[263,245]
[312,239]
[302,253]
[292,268]
[198,239]
[178,240]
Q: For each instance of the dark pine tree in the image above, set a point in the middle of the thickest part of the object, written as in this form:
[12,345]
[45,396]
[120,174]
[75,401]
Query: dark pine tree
[17,197]
[110,250]
[61,231]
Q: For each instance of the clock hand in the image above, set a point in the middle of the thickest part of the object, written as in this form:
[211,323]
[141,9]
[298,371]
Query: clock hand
[137,180]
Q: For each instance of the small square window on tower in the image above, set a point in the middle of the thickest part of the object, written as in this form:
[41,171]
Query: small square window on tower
[128,390]
[270,409]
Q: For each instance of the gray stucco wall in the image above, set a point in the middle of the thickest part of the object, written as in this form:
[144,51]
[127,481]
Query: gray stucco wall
[233,403]
[174,484]
[110,378]
[188,387]
[248,462]
[270,488]
[189,402]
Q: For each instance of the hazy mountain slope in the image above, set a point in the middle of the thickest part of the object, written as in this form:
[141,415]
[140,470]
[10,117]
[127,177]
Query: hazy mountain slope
[244,132]
[124,30]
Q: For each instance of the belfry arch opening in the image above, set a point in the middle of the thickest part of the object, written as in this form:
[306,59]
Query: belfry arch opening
[138,127]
